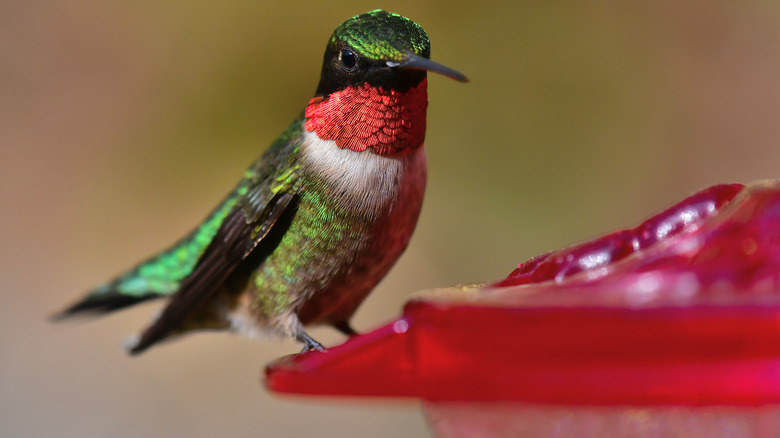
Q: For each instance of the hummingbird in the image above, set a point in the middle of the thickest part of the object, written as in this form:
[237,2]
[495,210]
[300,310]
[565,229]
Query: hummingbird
[319,219]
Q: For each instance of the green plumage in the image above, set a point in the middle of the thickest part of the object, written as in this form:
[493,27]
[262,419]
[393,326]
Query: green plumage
[371,34]
[162,274]
[320,234]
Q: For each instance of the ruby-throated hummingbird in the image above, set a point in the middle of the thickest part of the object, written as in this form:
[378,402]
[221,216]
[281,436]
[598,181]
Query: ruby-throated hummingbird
[320,218]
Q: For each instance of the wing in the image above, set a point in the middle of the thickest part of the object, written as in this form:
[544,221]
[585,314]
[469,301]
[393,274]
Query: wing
[268,191]
[159,276]
[232,244]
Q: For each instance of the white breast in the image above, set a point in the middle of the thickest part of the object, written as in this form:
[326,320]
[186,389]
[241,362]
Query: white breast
[365,179]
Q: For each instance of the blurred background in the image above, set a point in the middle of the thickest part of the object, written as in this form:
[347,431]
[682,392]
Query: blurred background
[122,124]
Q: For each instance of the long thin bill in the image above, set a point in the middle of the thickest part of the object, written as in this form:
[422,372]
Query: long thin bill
[419,63]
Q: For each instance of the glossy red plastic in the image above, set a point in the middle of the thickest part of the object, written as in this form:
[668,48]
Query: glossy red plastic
[683,309]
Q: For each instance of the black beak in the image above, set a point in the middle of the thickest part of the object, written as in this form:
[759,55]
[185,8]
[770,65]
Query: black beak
[414,62]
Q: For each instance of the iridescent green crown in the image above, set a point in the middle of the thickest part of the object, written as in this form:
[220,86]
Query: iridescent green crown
[383,35]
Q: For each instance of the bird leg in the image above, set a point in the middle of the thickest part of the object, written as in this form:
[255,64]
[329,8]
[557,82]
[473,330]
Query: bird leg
[308,342]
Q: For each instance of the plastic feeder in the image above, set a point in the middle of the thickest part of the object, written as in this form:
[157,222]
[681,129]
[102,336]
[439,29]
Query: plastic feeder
[671,328]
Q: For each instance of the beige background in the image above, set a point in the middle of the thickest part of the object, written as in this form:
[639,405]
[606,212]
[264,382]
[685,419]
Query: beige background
[122,124]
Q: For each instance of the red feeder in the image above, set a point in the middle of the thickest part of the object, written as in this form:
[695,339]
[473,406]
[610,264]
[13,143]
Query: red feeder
[672,327]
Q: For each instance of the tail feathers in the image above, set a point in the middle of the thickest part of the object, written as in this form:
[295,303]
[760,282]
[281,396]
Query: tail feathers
[103,300]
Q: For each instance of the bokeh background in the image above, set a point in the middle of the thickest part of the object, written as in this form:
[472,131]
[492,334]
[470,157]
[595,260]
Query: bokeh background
[123,123]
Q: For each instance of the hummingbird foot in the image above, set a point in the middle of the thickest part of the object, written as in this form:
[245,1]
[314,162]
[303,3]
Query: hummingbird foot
[309,344]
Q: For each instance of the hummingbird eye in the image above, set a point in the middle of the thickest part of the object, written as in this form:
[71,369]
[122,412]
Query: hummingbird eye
[348,58]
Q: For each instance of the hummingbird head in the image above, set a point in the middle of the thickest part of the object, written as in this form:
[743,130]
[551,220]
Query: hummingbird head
[373,89]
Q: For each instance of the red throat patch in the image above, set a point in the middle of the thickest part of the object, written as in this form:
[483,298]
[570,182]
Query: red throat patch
[362,117]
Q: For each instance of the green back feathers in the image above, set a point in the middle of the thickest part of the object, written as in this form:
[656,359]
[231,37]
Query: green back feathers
[158,276]
[383,35]
[162,274]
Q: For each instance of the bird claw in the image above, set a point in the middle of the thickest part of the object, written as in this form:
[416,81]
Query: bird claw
[309,344]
